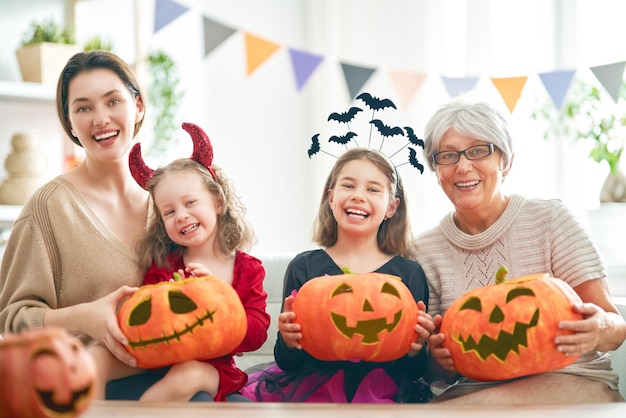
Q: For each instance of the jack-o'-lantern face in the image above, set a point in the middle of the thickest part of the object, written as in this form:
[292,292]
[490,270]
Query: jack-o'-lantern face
[369,317]
[170,322]
[45,373]
[507,330]
[370,324]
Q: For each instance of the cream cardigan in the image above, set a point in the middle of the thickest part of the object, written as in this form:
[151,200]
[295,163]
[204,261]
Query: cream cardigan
[59,254]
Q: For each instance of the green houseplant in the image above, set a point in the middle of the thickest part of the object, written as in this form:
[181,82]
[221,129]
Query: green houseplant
[164,94]
[44,49]
[590,114]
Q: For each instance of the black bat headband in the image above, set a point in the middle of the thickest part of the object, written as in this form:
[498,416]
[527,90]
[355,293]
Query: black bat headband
[384,130]
[202,154]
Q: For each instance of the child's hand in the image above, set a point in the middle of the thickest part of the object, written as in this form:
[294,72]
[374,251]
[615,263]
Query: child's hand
[197,270]
[289,331]
[425,326]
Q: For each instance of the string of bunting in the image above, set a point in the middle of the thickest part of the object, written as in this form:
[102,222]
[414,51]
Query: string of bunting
[407,83]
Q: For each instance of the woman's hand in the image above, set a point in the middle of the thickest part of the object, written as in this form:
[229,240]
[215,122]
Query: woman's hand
[100,323]
[425,326]
[289,331]
[437,351]
[587,332]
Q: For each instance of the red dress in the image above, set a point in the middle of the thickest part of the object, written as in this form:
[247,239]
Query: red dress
[248,276]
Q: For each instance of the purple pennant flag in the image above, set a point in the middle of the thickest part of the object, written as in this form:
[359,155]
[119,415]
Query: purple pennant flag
[557,84]
[214,34]
[356,77]
[459,86]
[165,12]
[610,76]
[304,63]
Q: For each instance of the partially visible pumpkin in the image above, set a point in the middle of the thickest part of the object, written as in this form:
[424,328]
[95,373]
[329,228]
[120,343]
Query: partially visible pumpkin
[507,330]
[369,317]
[192,319]
[45,373]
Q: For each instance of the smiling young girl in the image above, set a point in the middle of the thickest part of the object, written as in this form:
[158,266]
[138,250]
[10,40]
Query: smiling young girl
[362,224]
[198,229]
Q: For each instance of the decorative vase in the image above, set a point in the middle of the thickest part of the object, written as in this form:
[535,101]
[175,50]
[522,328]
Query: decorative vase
[614,188]
[26,166]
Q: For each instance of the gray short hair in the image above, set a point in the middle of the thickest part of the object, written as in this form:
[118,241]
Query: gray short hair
[477,120]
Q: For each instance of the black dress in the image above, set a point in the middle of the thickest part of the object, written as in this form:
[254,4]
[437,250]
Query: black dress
[299,377]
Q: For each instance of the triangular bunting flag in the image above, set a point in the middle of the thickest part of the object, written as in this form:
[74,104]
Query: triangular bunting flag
[356,77]
[610,76]
[459,86]
[166,11]
[304,63]
[258,50]
[557,84]
[214,34]
[510,89]
[407,83]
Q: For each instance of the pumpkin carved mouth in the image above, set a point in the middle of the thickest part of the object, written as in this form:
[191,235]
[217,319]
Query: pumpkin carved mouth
[175,335]
[505,343]
[73,405]
[369,329]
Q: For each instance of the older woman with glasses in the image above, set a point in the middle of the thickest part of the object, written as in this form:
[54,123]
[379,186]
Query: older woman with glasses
[469,148]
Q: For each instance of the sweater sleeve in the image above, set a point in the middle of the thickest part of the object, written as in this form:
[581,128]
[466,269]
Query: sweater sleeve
[27,280]
[249,286]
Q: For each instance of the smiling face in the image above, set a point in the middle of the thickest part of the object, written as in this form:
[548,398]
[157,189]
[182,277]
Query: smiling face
[474,187]
[361,198]
[103,113]
[189,211]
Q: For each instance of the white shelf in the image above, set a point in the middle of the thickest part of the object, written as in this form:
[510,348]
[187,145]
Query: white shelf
[8,214]
[26,92]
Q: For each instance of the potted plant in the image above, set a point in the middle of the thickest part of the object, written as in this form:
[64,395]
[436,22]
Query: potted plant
[590,114]
[44,50]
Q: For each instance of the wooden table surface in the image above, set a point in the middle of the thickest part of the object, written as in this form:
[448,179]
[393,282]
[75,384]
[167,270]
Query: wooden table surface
[129,409]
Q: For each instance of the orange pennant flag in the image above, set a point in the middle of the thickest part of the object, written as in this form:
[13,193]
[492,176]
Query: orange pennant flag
[407,83]
[510,89]
[258,50]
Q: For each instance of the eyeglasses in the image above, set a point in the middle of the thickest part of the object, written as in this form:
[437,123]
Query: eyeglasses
[477,152]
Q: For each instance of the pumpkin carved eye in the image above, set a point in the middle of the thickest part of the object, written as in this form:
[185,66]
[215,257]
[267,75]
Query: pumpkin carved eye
[472,303]
[141,313]
[341,289]
[180,303]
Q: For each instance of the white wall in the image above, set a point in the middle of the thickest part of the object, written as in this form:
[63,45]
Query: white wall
[261,125]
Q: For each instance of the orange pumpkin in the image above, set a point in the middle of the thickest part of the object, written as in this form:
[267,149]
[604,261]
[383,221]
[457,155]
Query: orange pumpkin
[507,330]
[193,319]
[369,317]
[45,373]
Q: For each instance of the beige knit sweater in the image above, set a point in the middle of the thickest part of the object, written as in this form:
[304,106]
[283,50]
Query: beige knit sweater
[59,254]
[531,236]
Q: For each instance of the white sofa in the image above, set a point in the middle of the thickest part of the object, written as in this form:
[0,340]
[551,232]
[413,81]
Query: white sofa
[275,266]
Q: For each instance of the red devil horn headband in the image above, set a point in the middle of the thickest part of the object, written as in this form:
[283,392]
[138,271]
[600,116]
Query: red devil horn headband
[202,154]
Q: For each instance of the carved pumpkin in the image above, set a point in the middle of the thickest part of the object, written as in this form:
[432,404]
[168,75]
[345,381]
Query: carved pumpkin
[45,373]
[507,330]
[193,319]
[369,317]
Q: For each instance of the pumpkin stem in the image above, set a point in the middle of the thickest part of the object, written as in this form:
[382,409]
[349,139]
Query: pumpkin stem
[501,274]
[177,277]
[346,270]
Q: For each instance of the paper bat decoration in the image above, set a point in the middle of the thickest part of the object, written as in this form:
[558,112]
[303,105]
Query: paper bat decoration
[374,102]
[346,116]
[413,160]
[315,147]
[413,139]
[386,130]
[343,140]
